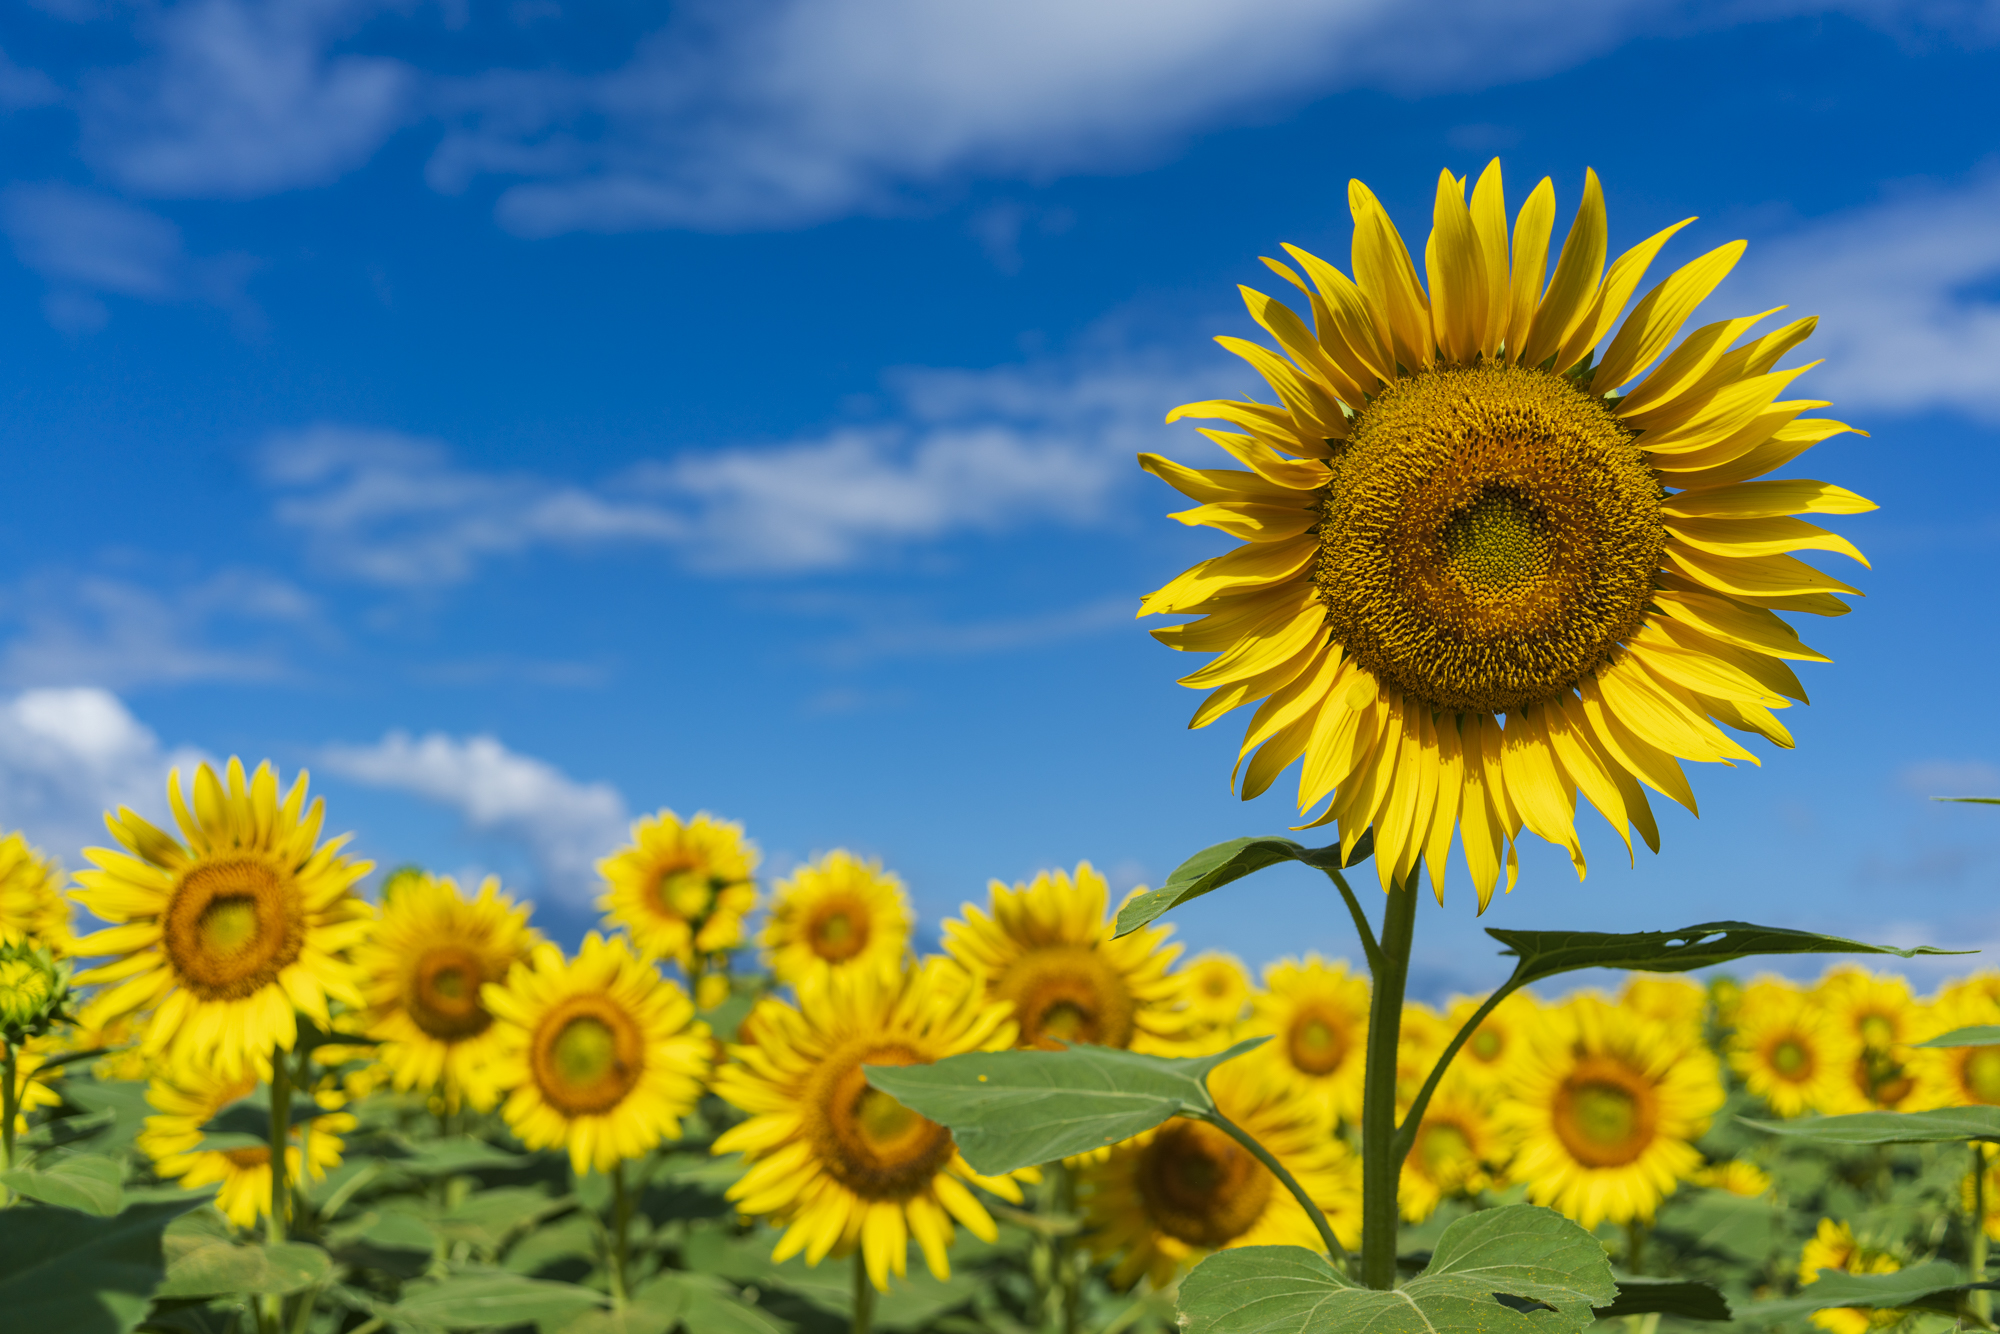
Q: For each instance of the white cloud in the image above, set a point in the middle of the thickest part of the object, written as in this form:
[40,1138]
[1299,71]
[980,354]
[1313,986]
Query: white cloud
[1950,778]
[1909,318]
[564,826]
[67,756]
[969,451]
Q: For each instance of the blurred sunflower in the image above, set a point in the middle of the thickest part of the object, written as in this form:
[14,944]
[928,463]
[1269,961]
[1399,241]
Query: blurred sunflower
[1735,1176]
[1422,1039]
[230,935]
[1834,1247]
[189,1098]
[32,904]
[1956,1076]
[1214,991]
[1488,1055]
[604,1056]
[1317,1016]
[837,914]
[1167,1197]
[421,971]
[1677,1002]
[1607,1103]
[31,1085]
[1789,1052]
[1878,1012]
[836,1162]
[1047,950]
[1454,516]
[1459,1148]
[681,888]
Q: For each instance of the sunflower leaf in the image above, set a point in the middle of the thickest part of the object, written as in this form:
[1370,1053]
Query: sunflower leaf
[1547,953]
[63,1270]
[484,1300]
[1977,1035]
[1013,1109]
[1685,1299]
[88,1182]
[204,1259]
[1935,1286]
[1510,1270]
[1212,868]
[1941,1125]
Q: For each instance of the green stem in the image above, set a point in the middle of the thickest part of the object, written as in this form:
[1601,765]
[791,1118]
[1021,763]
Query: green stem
[864,1294]
[1414,1118]
[1381,1165]
[1286,1179]
[10,1103]
[1069,1281]
[1635,1247]
[1982,1298]
[281,1138]
[1370,951]
[621,1225]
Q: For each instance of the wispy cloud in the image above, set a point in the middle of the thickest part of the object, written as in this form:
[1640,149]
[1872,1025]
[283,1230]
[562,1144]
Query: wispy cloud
[892,636]
[1950,778]
[563,825]
[69,755]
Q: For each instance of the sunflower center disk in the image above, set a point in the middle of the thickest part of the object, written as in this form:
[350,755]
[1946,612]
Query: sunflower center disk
[1200,1185]
[1443,1149]
[838,931]
[444,994]
[1486,1044]
[1489,537]
[1791,1060]
[1605,1114]
[232,926]
[1068,993]
[587,1054]
[1318,1045]
[683,892]
[1982,1074]
[868,1141]
[1877,1033]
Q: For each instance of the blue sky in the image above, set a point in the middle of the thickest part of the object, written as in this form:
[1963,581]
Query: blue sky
[528,415]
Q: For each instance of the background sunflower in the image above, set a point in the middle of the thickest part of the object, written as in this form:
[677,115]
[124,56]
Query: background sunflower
[683,889]
[839,913]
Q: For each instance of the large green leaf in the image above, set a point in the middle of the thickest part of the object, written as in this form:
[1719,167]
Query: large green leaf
[1688,1299]
[482,1301]
[1212,868]
[1552,1273]
[63,1270]
[1547,953]
[81,1181]
[1013,1109]
[1978,1035]
[700,1304]
[1935,1286]
[461,1153]
[204,1259]
[1940,1125]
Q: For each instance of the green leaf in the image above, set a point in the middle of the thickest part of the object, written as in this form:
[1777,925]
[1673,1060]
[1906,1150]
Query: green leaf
[1941,1125]
[62,1270]
[481,1301]
[1212,868]
[700,1303]
[462,1153]
[1547,953]
[1013,1109]
[1935,1285]
[204,1259]
[1534,1256]
[1687,1299]
[1978,1035]
[488,1217]
[81,1181]
[1973,801]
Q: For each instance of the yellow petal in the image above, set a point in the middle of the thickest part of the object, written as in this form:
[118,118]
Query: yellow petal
[1730,621]
[1620,281]
[1347,325]
[1660,314]
[1531,263]
[1567,301]
[1292,334]
[1634,755]
[1687,364]
[1457,269]
[1247,522]
[1756,500]
[1382,270]
[1489,224]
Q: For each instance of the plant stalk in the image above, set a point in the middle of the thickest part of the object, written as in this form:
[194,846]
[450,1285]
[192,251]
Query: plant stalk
[10,1103]
[621,1224]
[1381,1164]
[281,1138]
[1277,1169]
[1982,1298]
[864,1293]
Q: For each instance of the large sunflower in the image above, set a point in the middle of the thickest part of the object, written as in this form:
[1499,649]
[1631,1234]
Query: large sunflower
[1607,1104]
[682,888]
[604,1056]
[32,905]
[186,1099]
[421,971]
[837,914]
[1455,515]
[836,1162]
[1169,1196]
[1047,950]
[1789,1052]
[1317,1016]
[230,934]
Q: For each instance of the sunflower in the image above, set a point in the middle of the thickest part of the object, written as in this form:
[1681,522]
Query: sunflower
[1956,1076]
[1214,992]
[227,936]
[1163,1199]
[1488,1056]
[840,1164]
[1455,516]
[1789,1052]
[1607,1103]
[682,888]
[1735,1176]
[1047,950]
[421,971]
[189,1098]
[1989,1158]
[1317,1016]
[1677,1002]
[1459,1149]
[32,906]
[1421,1039]
[604,1056]
[1877,1011]
[1834,1247]
[836,914]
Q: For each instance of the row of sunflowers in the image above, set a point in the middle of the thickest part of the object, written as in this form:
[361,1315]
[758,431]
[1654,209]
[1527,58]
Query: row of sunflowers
[242,978]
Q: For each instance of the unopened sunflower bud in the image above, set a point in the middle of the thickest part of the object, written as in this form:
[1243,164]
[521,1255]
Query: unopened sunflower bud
[34,992]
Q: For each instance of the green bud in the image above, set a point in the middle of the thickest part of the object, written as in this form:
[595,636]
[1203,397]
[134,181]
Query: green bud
[34,992]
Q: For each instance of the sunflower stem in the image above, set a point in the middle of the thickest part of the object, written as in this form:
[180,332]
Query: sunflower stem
[281,1137]
[1380,1162]
[864,1293]
[621,1225]
[9,1109]
[1413,1120]
[1291,1183]
[1982,1299]
[1635,1247]
[1370,951]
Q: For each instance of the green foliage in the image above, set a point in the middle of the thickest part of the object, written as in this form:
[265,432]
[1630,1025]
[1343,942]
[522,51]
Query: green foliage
[1941,1125]
[1212,868]
[69,1271]
[1977,1035]
[1688,1299]
[1544,954]
[1936,1286]
[204,1259]
[82,1181]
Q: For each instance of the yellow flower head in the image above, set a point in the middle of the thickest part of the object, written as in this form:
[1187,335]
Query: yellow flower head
[1164,1199]
[187,1099]
[1460,1148]
[1214,990]
[32,905]
[1047,950]
[1735,1176]
[1956,1076]
[835,915]
[1790,1052]
[681,888]
[1317,1016]
[421,972]
[1877,1011]
[230,931]
[1488,1056]
[1677,1002]
[604,1056]
[1834,1247]
[1454,516]
[1607,1103]
[840,1164]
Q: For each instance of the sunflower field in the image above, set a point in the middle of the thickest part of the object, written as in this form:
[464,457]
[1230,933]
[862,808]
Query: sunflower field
[1503,546]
